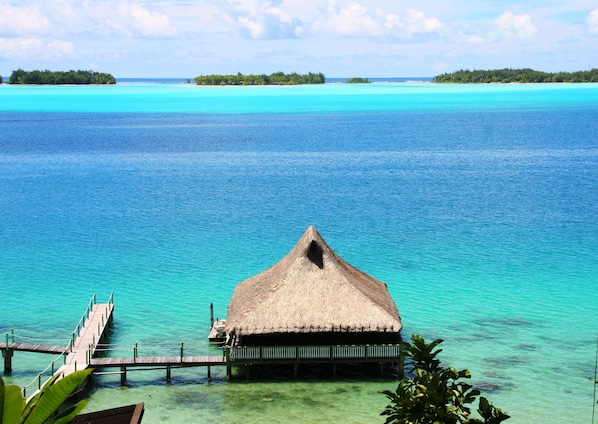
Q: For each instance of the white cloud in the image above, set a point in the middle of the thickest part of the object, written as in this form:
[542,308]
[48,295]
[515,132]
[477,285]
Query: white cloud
[59,49]
[354,20]
[471,38]
[22,21]
[259,19]
[592,21]
[357,20]
[129,19]
[148,23]
[64,17]
[34,48]
[511,25]
[417,22]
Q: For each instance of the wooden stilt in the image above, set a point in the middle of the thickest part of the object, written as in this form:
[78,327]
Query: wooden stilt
[401,367]
[168,373]
[295,370]
[334,370]
[209,373]
[7,354]
[123,376]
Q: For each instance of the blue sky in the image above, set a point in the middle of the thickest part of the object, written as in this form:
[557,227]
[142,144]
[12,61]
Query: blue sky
[368,38]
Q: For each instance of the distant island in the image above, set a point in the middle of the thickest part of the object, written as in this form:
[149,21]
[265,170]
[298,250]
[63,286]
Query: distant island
[278,78]
[525,75]
[46,77]
[357,80]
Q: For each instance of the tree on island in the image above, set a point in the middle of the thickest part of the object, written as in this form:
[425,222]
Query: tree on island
[278,78]
[47,77]
[357,80]
[435,394]
[526,75]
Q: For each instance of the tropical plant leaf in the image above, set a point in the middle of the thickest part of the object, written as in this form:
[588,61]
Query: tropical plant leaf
[13,404]
[435,394]
[68,414]
[54,395]
[35,399]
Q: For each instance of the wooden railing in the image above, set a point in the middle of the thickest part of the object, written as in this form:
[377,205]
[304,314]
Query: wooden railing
[85,316]
[43,377]
[326,353]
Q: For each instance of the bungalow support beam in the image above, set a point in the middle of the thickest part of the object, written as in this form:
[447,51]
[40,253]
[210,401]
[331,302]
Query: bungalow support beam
[7,354]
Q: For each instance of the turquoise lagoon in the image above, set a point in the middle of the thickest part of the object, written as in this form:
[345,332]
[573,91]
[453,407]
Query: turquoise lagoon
[476,204]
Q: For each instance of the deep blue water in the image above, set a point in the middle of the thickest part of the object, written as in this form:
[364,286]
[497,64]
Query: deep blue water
[477,205]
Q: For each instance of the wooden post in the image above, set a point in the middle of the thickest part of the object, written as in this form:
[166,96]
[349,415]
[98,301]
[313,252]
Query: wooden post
[295,370]
[381,369]
[211,315]
[7,354]
[334,370]
[123,376]
[168,375]
[209,373]
[401,367]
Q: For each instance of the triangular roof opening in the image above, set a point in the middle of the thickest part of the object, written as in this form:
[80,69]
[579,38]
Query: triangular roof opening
[314,254]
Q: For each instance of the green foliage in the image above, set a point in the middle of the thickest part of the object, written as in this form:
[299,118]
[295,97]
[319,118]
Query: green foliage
[358,80]
[46,77]
[435,394]
[465,76]
[44,408]
[278,78]
[0,79]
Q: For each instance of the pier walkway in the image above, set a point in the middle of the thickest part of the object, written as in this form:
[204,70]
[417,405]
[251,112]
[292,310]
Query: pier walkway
[88,337]
[73,355]
[155,362]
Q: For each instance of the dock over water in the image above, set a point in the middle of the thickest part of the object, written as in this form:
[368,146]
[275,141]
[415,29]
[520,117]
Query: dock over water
[73,355]
[88,340]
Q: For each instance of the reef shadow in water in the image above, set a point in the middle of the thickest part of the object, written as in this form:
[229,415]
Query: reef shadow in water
[505,322]
[492,387]
[506,361]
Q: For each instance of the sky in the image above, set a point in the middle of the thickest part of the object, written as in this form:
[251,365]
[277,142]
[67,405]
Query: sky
[340,38]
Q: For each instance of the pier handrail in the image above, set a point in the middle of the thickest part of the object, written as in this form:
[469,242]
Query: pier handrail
[323,352]
[182,349]
[14,337]
[84,317]
[69,346]
[258,353]
[37,380]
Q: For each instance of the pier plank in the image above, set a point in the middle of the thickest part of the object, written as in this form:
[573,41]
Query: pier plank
[35,347]
[158,361]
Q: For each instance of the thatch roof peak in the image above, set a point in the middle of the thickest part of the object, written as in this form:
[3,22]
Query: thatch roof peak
[311,290]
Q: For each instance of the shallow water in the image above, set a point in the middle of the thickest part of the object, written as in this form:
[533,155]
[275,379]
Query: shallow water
[475,204]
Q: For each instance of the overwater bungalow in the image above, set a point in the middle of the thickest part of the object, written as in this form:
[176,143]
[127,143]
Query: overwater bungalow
[312,306]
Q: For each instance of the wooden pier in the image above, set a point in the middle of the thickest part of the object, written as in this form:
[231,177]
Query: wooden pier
[74,354]
[88,337]
[255,355]
[153,362]
[84,346]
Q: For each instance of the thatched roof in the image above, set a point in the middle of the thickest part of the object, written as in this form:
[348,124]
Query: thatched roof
[311,290]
